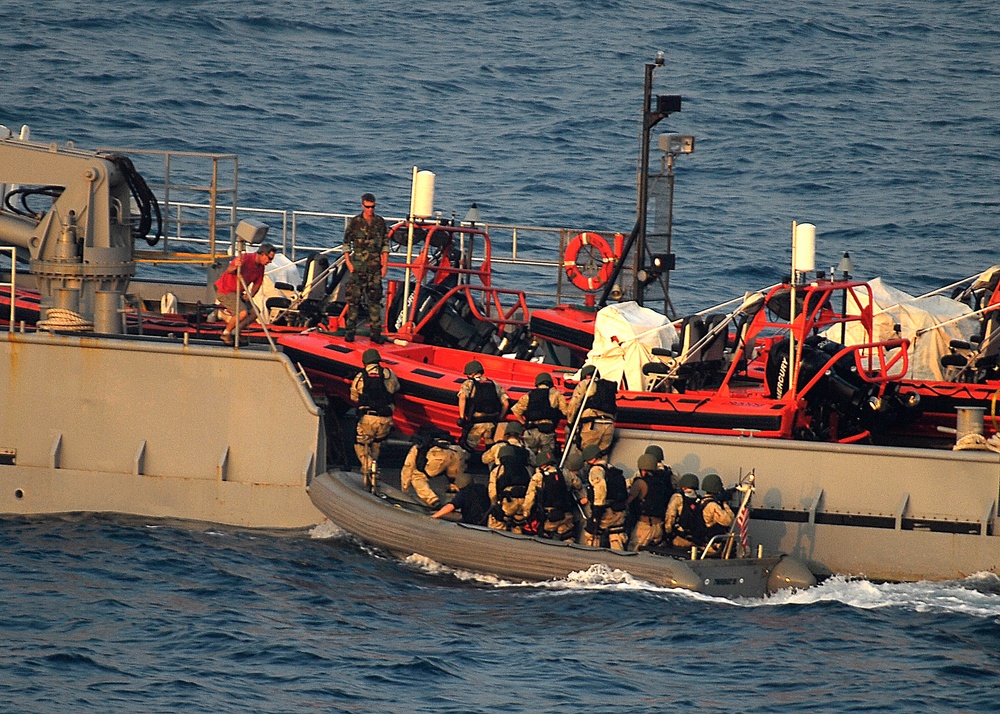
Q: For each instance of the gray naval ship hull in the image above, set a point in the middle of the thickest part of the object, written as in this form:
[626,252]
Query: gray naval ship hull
[156,428]
[404,529]
[884,513]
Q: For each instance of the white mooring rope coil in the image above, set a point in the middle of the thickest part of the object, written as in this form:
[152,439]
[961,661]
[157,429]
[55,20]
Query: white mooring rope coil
[58,318]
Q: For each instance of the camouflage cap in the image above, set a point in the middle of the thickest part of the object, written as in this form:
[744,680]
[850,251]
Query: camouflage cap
[370,356]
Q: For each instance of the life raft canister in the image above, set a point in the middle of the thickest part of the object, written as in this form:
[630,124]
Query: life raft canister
[598,258]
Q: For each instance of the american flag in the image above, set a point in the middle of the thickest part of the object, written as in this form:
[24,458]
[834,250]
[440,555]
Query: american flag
[742,525]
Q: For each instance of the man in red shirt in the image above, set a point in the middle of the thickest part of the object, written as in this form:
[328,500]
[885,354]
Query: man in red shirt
[235,296]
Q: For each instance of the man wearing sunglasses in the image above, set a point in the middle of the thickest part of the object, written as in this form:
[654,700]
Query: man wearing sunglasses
[366,245]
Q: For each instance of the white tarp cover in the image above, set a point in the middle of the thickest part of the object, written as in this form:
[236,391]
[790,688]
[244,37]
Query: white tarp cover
[624,336]
[894,306]
[281,270]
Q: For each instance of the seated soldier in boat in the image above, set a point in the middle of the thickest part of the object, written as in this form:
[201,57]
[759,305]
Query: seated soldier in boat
[716,514]
[649,494]
[608,494]
[508,487]
[552,498]
[431,455]
[472,501]
[662,467]
[683,523]
[541,410]
[573,470]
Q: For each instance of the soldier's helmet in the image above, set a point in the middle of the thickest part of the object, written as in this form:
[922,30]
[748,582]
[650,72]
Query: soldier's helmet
[656,451]
[474,367]
[549,459]
[505,452]
[712,483]
[587,371]
[647,462]
[591,452]
[689,481]
[513,428]
[370,356]
[543,378]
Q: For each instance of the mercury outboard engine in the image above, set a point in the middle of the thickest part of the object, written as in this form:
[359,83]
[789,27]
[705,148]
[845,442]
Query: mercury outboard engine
[841,401]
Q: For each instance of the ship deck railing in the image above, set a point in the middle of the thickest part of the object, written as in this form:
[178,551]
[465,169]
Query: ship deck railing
[516,247]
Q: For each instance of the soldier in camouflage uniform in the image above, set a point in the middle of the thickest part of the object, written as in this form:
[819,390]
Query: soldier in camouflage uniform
[366,245]
[373,390]
[541,410]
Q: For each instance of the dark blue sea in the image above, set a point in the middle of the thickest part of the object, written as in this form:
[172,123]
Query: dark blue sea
[877,121]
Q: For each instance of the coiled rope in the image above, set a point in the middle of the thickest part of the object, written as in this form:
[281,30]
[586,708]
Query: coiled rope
[58,318]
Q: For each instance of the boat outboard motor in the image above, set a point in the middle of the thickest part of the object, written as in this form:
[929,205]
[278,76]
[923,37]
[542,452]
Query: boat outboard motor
[840,390]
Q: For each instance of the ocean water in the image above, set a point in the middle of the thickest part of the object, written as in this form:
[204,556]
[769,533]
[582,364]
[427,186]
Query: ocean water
[876,121]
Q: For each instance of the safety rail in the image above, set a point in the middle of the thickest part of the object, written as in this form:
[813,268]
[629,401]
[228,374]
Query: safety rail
[178,178]
[493,309]
[11,285]
[515,246]
[182,172]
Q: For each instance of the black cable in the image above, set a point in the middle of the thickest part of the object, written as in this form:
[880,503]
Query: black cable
[144,198]
[24,192]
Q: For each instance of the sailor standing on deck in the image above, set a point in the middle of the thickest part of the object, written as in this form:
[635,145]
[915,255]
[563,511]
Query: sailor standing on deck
[608,495]
[541,410]
[366,248]
[482,404]
[597,422]
[373,390]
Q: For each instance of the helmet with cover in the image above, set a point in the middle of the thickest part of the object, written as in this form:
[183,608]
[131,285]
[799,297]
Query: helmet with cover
[591,452]
[370,356]
[689,481]
[473,367]
[656,451]
[543,378]
[712,483]
[647,462]
[513,428]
